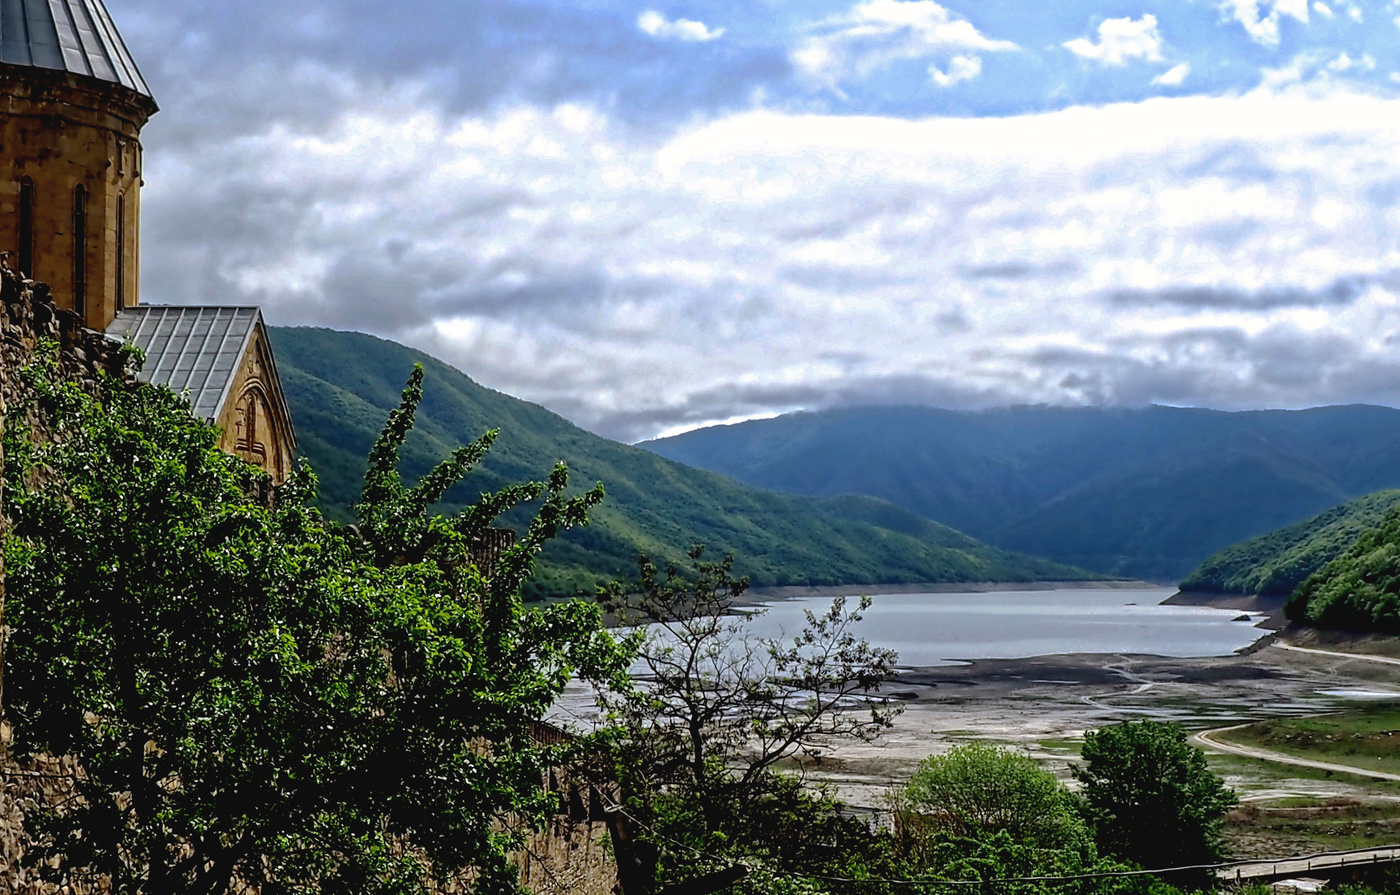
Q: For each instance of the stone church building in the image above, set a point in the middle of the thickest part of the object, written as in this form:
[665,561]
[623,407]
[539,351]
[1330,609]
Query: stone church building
[72,106]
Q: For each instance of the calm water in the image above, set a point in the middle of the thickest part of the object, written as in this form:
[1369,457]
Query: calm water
[934,629]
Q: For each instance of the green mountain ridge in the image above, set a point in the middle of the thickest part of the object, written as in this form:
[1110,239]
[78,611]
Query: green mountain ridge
[1146,493]
[340,386]
[1275,564]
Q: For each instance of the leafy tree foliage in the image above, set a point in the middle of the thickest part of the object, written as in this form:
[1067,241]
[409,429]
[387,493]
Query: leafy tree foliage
[976,790]
[1151,797]
[254,694]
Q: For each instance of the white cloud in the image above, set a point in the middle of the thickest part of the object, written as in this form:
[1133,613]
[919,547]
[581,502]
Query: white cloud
[1233,250]
[1351,9]
[657,25]
[1174,76]
[1264,27]
[1344,62]
[876,33]
[1316,67]
[1121,40]
[960,68]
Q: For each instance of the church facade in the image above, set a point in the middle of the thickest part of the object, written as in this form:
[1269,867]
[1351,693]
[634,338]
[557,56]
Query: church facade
[72,106]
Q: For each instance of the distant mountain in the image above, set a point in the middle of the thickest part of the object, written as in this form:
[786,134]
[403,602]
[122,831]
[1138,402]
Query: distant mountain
[1360,589]
[1147,493]
[340,386]
[1276,563]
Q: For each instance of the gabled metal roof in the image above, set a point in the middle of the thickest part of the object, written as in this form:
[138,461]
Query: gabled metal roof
[198,349]
[75,36]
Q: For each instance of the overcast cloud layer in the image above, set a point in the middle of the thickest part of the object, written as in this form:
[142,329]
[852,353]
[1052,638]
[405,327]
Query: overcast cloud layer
[654,216]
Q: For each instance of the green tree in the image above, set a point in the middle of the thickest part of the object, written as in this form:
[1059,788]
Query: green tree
[1150,796]
[718,711]
[975,790]
[255,694]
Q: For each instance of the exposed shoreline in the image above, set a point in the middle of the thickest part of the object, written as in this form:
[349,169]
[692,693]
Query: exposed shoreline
[1044,704]
[760,594]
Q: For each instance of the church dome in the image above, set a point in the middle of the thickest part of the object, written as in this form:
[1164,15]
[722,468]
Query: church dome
[75,36]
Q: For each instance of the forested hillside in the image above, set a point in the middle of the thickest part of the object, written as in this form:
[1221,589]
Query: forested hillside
[1360,589]
[1148,493]
[340,387]
[1276,563]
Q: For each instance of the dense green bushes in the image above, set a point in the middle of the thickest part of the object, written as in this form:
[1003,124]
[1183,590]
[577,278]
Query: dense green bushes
[976,791]
[978,813]
[255,693]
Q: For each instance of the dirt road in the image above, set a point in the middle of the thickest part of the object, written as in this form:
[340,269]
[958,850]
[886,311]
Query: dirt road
[1384,660]
[1207,739]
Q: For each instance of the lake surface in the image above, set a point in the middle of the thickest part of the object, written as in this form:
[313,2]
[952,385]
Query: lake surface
[938,629]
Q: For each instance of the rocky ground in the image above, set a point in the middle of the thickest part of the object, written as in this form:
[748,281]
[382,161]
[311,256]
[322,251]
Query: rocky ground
[1044,705]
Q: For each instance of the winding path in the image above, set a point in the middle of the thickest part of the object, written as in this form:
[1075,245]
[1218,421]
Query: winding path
[1384,660]
[1207,739]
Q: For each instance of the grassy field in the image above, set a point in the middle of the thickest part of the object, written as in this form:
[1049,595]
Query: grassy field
[1369,815]
[1365,738]
[1306,826]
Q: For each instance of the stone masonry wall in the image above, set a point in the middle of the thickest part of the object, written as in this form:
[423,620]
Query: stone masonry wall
[29,317]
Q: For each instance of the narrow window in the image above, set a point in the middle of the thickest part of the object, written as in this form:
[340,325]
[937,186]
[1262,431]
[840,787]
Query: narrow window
[80,250]
[26,226]
[121,251]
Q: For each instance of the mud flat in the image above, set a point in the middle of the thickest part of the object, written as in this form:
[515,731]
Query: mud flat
[1045,704]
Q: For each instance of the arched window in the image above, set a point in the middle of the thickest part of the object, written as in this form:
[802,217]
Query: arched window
[26,226]
[250,442]
[80,249]
[121,249]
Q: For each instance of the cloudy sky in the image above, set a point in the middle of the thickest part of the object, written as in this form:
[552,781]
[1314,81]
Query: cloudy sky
[650,215]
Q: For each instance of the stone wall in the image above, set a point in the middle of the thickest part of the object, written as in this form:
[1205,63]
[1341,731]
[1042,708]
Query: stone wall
[568,855]
[29,317]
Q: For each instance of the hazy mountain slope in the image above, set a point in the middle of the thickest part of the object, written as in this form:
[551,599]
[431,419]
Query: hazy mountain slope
[1276,563]
[341,385]
[1148,492]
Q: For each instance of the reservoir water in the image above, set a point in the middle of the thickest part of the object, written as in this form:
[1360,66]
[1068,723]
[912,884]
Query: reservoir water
[944,628]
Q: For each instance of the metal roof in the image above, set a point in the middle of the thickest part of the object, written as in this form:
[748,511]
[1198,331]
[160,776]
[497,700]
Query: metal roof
[198,349]
[75,36]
